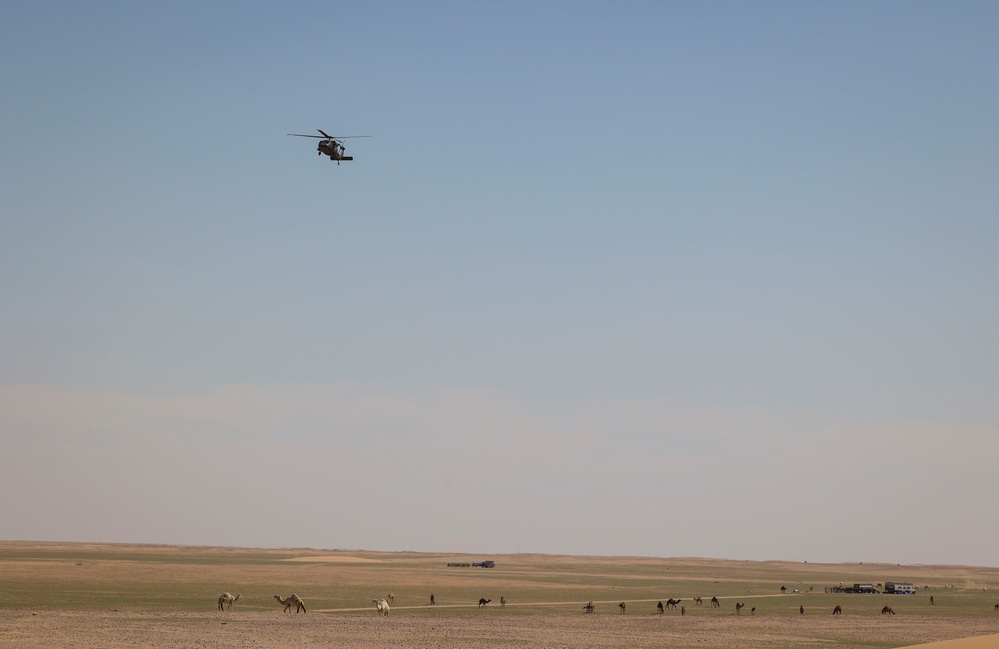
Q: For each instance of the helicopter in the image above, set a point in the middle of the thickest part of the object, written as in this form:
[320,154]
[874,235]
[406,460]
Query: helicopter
[331,146]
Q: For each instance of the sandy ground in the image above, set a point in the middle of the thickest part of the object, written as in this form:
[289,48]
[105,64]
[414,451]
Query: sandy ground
[118,630]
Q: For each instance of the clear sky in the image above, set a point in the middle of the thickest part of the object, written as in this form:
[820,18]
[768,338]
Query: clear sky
[657,278]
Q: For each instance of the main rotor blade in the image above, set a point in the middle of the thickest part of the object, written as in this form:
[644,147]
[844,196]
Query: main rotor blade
[324,133]
[318,137]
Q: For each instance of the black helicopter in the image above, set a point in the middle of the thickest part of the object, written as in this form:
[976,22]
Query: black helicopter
[331,146]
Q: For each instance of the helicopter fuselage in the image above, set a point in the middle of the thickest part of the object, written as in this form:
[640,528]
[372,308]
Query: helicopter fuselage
[333,149]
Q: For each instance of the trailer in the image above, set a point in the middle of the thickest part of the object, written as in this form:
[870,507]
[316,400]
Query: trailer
[899,588]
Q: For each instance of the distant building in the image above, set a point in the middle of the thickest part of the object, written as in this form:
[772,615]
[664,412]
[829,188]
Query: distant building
[899,588]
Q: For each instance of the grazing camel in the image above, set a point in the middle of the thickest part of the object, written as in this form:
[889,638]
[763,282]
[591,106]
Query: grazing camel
[783,589]
[381,606]
[838,610]
[671,603]
[589,608]
[292,600]
[715,603]
[502,601]
[931,601]
[391,598]
[226,598]
[738,608]
[483,601]
[659,606]
[801,610]
[886,610]
[698,601]
[432,599]
[623,607]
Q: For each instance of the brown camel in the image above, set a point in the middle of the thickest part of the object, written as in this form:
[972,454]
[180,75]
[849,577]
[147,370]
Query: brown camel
[226,598]
[752,611]
[714,602]
[671,603]
[683,610]
[623,607]
[292,600]
[931,600]
[801,610]
[502,601]
[589,607]
[698,601]
[783,589]
[660,607]
[838,610]
[738,608]
[483,601]
[886,610]
[433,600]
[391,598]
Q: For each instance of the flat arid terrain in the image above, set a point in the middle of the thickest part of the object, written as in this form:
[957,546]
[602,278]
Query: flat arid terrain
[114,596]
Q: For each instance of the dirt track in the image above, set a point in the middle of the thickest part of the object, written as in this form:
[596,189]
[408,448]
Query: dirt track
[117,630]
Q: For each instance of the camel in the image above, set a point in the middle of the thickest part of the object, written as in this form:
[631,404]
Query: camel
[683,610]
[886,610]
[502,601]
[589,607]
[715,603]
[292,600]
[623,607]
[801,610]
[671,603]
[838,610]
[738,608]
[997,607]
[381,606]
[391,598]
[752,611]
[432,599]
[698,601]
[659,606]
[483,601]
[226,598]
[932,603]
[783,589]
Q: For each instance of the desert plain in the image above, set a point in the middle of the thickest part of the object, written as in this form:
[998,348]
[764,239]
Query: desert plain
[115,596]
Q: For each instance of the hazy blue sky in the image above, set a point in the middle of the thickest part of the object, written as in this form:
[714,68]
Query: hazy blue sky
[661,278]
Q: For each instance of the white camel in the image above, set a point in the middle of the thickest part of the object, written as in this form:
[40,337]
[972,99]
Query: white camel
[292,600]
[382,606]
[226,598]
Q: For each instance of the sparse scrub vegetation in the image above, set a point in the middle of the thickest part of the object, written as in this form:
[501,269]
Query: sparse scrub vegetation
[67,577]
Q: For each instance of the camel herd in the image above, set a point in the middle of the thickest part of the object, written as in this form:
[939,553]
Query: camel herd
[226,600]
